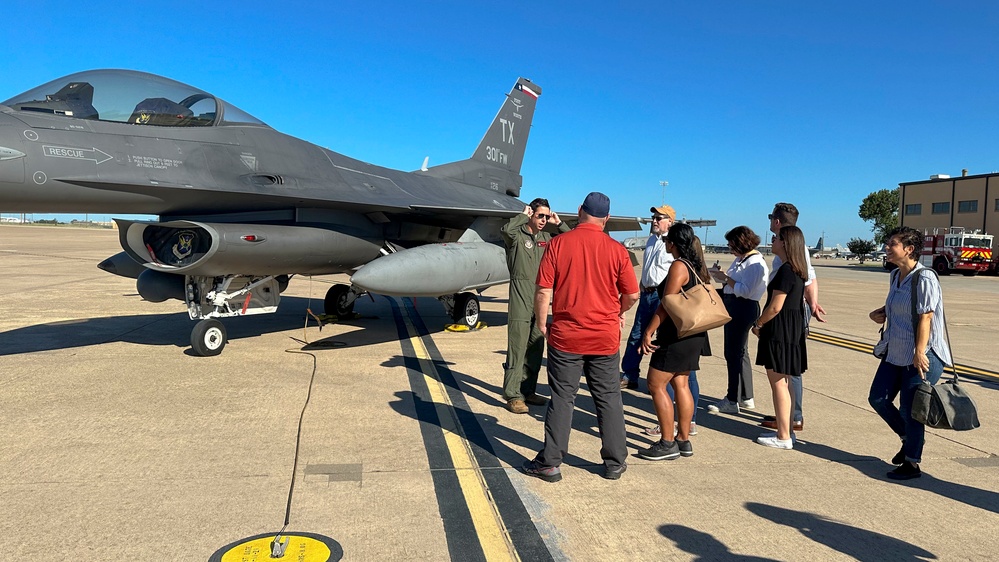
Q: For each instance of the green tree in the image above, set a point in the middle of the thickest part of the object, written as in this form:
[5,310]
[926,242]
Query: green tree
[861,247]
[881,208]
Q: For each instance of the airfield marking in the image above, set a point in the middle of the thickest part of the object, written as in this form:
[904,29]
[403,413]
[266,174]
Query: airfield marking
[489,526]
[963,370]
[492,476]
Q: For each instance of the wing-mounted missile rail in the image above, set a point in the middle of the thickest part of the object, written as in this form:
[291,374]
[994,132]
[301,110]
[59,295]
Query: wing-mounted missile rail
[192,261]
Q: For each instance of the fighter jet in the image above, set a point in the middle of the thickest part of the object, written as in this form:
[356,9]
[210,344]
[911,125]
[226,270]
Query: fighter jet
[243,207]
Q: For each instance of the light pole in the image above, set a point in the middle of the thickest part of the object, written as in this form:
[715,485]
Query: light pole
[663,184]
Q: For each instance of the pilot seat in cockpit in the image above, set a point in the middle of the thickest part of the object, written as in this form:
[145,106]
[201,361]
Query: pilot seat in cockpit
[75,99]
[160,111]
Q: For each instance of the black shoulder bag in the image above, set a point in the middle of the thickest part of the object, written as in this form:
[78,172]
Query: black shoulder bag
[945,405]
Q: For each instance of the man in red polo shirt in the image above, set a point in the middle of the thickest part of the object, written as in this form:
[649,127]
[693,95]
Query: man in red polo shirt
[588,279]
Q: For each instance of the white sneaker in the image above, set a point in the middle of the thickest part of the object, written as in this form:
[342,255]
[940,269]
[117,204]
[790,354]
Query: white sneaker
[747,404]
[724,406]
[775,443]
[773,435]
[676,430]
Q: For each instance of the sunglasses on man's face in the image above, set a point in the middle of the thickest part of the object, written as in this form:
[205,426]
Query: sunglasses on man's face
[658,218]
[542,216]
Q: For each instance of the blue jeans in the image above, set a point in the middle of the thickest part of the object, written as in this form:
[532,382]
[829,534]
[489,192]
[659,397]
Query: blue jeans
[631,363]
[892,380]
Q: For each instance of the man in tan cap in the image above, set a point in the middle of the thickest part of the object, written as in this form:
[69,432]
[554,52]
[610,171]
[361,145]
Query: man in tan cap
[654,269]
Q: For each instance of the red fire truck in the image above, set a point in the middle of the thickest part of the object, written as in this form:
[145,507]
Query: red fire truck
[956,249]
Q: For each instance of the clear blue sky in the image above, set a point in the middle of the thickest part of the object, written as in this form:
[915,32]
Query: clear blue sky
[737,104]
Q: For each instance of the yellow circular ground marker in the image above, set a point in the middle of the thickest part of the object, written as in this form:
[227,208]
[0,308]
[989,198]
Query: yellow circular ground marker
[302,547]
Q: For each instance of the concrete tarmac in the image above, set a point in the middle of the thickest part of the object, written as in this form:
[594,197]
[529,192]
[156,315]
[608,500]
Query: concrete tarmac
[119,444]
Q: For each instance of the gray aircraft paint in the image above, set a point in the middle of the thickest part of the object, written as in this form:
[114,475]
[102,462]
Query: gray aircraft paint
[242,206]
[248,173]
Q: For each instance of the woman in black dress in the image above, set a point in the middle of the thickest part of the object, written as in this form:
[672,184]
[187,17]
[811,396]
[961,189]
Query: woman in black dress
[673,358]
[781,330]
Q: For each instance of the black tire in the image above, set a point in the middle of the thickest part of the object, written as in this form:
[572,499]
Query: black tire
[282,281]
[970,272]
[208,338]
[466,310]
[336,301]
[940,264]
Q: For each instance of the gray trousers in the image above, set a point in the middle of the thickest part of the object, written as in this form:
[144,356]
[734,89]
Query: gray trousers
[601,372]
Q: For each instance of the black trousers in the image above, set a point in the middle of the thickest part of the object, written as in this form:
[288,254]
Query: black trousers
[744,313]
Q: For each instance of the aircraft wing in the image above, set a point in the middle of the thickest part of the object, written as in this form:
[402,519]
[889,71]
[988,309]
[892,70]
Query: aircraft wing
[614,224]
[437,210]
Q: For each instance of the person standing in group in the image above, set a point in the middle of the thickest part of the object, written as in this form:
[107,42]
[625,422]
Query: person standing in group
[588,279]
[673,358]
[781,329]
[525,241]
[655,264]
[916,348]
[786,214]
[745,283]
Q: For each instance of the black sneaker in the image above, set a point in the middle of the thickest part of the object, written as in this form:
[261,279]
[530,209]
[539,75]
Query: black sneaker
[546,473]
[899,457]
[686,449]
[660,451]
[907,471]
[615,473]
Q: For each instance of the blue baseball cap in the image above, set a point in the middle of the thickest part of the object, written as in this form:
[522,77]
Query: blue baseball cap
[596,205]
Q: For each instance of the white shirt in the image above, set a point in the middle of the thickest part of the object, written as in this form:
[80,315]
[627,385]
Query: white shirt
[808,264]
[750,275]
[657,262]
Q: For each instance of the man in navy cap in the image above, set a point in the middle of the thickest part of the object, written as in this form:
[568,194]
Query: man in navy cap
[587,278]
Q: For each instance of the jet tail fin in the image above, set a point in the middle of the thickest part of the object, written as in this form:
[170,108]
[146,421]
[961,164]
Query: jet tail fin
[496,162]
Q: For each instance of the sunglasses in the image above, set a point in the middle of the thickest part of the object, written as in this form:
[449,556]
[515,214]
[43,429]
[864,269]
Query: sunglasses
[658,218]
[542,216]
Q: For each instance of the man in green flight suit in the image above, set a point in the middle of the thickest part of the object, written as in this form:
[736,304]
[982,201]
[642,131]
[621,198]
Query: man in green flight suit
[525,244]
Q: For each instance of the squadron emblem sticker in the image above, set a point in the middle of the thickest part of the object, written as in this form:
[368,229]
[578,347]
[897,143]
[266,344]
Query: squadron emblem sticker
[185,244]
[528,244]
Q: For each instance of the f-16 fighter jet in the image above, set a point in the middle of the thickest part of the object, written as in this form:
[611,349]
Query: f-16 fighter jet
[242,207]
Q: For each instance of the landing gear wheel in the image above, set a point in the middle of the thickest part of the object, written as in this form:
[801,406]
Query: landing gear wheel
[339,301]
[466,310]
[208,338]
[940,264]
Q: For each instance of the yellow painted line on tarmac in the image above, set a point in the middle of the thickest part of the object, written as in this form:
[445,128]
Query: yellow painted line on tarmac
[489,526]
[973,372]
[841,342]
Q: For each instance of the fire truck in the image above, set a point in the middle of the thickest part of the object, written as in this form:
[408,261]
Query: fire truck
[957,249]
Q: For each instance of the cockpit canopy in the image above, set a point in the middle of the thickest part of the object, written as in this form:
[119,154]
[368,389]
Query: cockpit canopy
[128,96]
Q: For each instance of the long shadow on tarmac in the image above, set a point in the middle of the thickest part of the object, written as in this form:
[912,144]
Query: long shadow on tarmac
[877,469]
[704,546]
[872,467]
[173,328]
[859,544]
